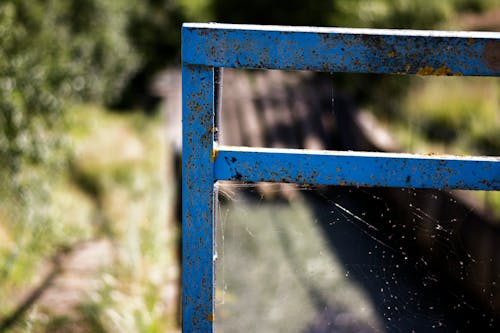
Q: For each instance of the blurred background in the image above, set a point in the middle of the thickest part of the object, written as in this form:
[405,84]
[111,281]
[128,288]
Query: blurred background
[89,144]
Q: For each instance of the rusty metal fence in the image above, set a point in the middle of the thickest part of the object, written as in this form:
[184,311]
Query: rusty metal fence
[206,47]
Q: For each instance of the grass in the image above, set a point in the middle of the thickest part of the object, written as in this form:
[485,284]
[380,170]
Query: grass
[456,115]
[114,187]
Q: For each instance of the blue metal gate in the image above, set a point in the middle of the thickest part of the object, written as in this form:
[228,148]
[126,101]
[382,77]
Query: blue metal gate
[209,46]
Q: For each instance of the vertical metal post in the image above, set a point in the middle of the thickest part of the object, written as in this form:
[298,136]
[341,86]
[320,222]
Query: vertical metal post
[198,198]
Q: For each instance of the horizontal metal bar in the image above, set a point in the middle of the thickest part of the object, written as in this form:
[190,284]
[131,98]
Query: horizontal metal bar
[342,50]
[357,168]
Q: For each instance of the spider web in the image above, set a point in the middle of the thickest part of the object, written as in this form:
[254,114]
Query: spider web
[344,259]
[328,261]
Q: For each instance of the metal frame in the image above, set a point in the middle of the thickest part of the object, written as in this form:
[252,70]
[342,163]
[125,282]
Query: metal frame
[209,46]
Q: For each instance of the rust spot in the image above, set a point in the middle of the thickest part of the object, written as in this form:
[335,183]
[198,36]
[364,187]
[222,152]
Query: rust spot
[429,70]
[211,317]
[432,153]
[442,71]
[214,154]
[390,54]
[337,169]
[407,68]
[491,55]
[343,183]
[470,41]
[426,70]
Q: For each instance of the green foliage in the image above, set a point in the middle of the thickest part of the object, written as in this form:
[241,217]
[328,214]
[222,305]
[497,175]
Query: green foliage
[397,14]
[282,12]
[475,5]
[54,51]
[154,29]
[459,113]
[51,52]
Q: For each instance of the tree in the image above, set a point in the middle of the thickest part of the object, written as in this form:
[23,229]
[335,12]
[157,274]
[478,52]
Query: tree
[53,51]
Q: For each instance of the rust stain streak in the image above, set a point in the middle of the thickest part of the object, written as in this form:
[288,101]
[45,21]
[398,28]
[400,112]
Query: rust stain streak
[442,71]
[429,70]
[426,70]
[214,154]
[491,55]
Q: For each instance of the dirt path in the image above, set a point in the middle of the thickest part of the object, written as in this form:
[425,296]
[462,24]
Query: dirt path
[80,277]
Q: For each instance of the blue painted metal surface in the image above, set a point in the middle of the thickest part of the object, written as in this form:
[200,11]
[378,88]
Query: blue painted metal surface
[357,168]
[197,198]
[205,46]
[343,50]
